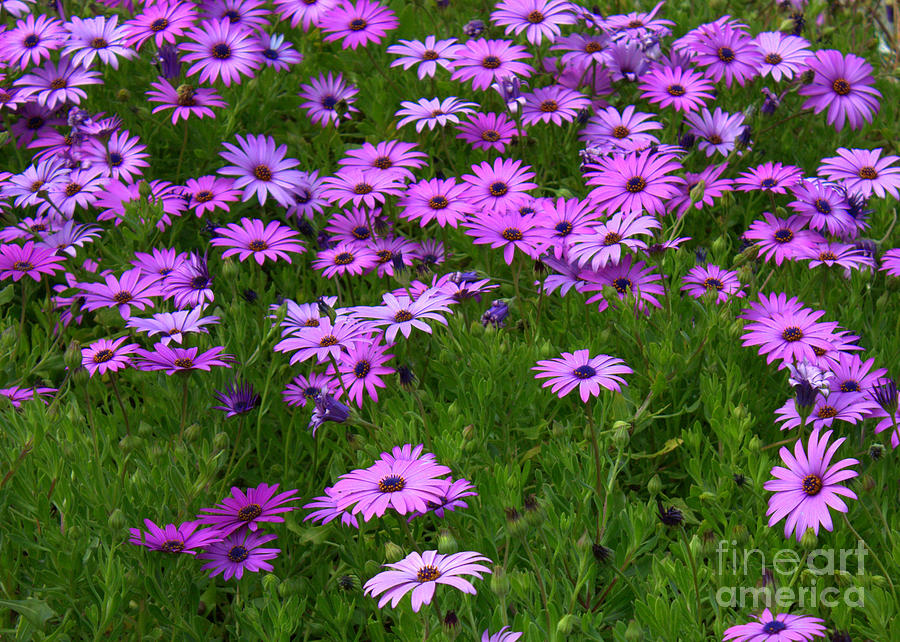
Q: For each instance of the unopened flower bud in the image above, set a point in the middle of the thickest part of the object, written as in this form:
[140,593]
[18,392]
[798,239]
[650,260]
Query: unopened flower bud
[697,192]
[392,552]
[72,357]
[451,624]
[566,624]
[514,521]
[221,441]
[192,432]
[634,633]
[809,539]
[876,452]
[843,578]
[499,581]
[117,520]
[654,486]
[601,553]
[348,583]
[270,582]
[447,544]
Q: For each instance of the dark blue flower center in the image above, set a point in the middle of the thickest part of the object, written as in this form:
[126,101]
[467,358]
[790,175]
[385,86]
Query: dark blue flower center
[711,284]
[172,546]
[233,16]
[391,484]
[850,386]
[584,372]
[621,285]
[635,184]
[159,24]
[115,159]
[812,484]
[438,202]
[238,554]
[361,369]
[490,62]
[784,235]
[512,234]
[774,627]
[31,41]
[427,574]
[792,333]
[822,206]
[769,182]
[199,282]
[271,54]
[258,245]
[328,102]
[221,51]
[563,228]
[726,54]
[358,24]
[249,512]
[499,188]
[675,90]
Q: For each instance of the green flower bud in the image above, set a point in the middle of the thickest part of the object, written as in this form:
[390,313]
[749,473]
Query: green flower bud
[145,429]
[450,624]
[634,633]
[129,442]
[392,552]
[515,522]
[654,486]
[621,436]
[809,539]
[271,582]
[754,446]
[192,432]
[780,212]
[348,583]
[879,581]
[697,192]
[867,483]
[447,544]
[72,357]
[231,271]
[499,582]
[566,624]
[123,95]
[221,441]
[117,521]
[534,514]
[843,578]
[807,577]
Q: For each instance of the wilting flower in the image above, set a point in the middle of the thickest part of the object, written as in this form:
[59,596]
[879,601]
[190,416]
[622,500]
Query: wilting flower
[183,538]
[238,552]
[248,508]
[237,399]
[327,408]
[782,627]
[579,369]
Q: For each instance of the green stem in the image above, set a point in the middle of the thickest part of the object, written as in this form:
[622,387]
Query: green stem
[690,554]
[874,556]
[184,403]
[184,141]
[115,387]
[540,581]
[234,449]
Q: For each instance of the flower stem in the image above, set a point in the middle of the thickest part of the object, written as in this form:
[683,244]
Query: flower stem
[184,403]
[540,581]
[115,387]
[874,556]
[234,449]
[690,554]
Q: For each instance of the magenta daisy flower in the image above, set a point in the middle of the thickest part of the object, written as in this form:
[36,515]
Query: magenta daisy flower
[565,219]
[555,104]
[172,325]
[769,177]
[186,100]
[173,360]
[133,289]
[824,204]
[31,41]
[428,55]
[717,131]
[360,369]
[509,230]
[261,168]
[160,262]
[844,85]
[422,573]
[121,156]
[99,37]
[503,635]
[249,508]
[634,182]
[209,193]
[781,55]
[354,226]
[220,49]
[853,375]
[358,24]
[637,24]
[361,187]
[107,356]
[729,53]
[433,112]
[31,260]
[307,198]
[183,538]
[782,627]
[392,156]
[345,258]
[629,279]
[303,389]
[80,188]
[610,128]
[238,552]
[579,369]
[326,510]
[500,187]
[251,15]
[863,171]
[702,279]
[488,131]
[539,19]
[252,237]
[325,340]
[17,395]
[789,336]
[487,61]
[603,243]
[401,314]
[328,99]
[836,406]
[163,21]
[56,84]
[845,256]
[890,262]
[306,12]
[452,498]
[682,89]
[779,239]
[809,485]
[441,200]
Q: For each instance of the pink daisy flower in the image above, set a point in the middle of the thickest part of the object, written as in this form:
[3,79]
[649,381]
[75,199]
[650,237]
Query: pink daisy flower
[781,239]
[487,61]
[555,104]
[844,85]
[185,101]
[358,24]
[392,156]
[824,204]
[105,356]
[133,289]
[172,326]
[361,368]
[727,53]
[55,84]
[511,231]
[603,243]
[345,258]
[324,341]
[17,261]
[209,193]
[427,55]
[433,112]
[183,538]
[789,336]
[238,552]
[399,313]
[248,508]
[360,187]
[539,19]
[303,389]
[580,370]
[261,168]
[890,262]
[500,187]
[173,360]
[717,131]
[328,99]
[31,41]
[634,182]
[864,171]
[610,128]
[780,55]
[770,177]
[629,279]
[218,48]
[782,627]
[441,200]
[682,89]
[163,21]
[252,237]
[488,131]
[306,12]
[99,37]
[702,279]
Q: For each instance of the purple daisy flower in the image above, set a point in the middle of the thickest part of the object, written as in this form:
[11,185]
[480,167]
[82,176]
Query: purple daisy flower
[121,157]
[682,89]
[31,41]
[261,168]
[307,12]
[770,177]
[101,37]
[790,335]
[713,187]
[702,279]
[846,256]
[718,131]
[503,635]
[781,55]
[487,61]
[639,24]
[17,261]
[163,21]
[17,395]
[354,226]
[328,99]
[427,55]
[172,325]
[610,128]
[307,197]
[326,510]
[218,48]
[436,199]
[452,498]
[209,193]
[863,171]
[250,15]
[433,112]
[634,182]
[252,237]
[56,84]
[581,48]
[401,314]
[238,399]
[422,573]
[324,341]
[345,258]
[488,131]
[107,356]
[174,360]
[729,53]
[133,289]
[579,369]
[627,278]
[782,627]
[809,485]
[249,508]
[393,156]
[781,239]
[843,85]
[500,187]
[556,104]
[853,375]
[303,389]
[185,101]
[510,230]
[183,538]
[277,53]
[566,219]
[824,204]
[603,243]
[160,263]
[890,262]
[539,19]
[360,369]
[69,237]
[357,24]
[361,187]
[237,552]
[836,406]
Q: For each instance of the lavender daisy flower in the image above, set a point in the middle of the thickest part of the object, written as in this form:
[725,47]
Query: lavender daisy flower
[486,61]
[69,237]
[565,220]
[846,256]
[209,193]
[843,85]
[17,261]
[328,99]
[357,24]
[360,369]
[511,231]
[579,369]
[174,360]
[360,187]
[121,157]
[249,508]
[451,499]
[890,262]
[824,204]
[639,24]
[702,279]
[488,131]
[682,89]
[539,19]
[325,340]
[326,510]
[627,278]
[253,238]
[354,226]
[163,21]
[780,55]
[183,538]
[238,399]
[421,573]
[345,258]
[627,61]
[250,15]
[634,182]
[133,289]
[393,156]
[441,200]
[729,53]
[503,635]
[107,356]
[278,54]
[56,84]
[789,336]
[719,131]
[306,12]
[303,389]
[863,171]
[603,243]
[781,239]
[427,55]
[401,314]
[220,49]
[31,41]
[261,168]
[172,325]
[556,104]
[433,112]
[610,128]
[185,101]
[809,485]
[500,187]
[17,395]
[853,375]
[238,552]
[190,283]
[101,37]
[79,188]
[837,406]
[307,198]
[782,627]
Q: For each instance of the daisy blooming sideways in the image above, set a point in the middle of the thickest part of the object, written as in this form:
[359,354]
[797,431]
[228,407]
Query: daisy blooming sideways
[487,61]
[824,204]
[328,99]
[503,635]
[393,156]
[57,83]
[436,199]
[306,12]
[488,131]
[401,314]
[848,407]
[554,104]
[133,289]
[452,498]
[781,56]
[890,262]
[174,360]
[172,325]
[183,538]
[603,243]
[422,573]
[610,128]
[324,341]
[17,395]
[499,187]
[845,256]
[682,89]
[781,627]
[238,398]
[433,112]
[357,24]
[808,485]
[769,177]
[252,237]
[580,370]
[261,168]
[185,101]
[326,510]
[238,552]
[304,389]
[107,356]
[843,84]
[17,261]
[790,336]
[360,187]
[539,19]
[703,279]
[510,231]
[781,239]
[248,508]
[428,55]
[218,48]
[634,182]
[864,171]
